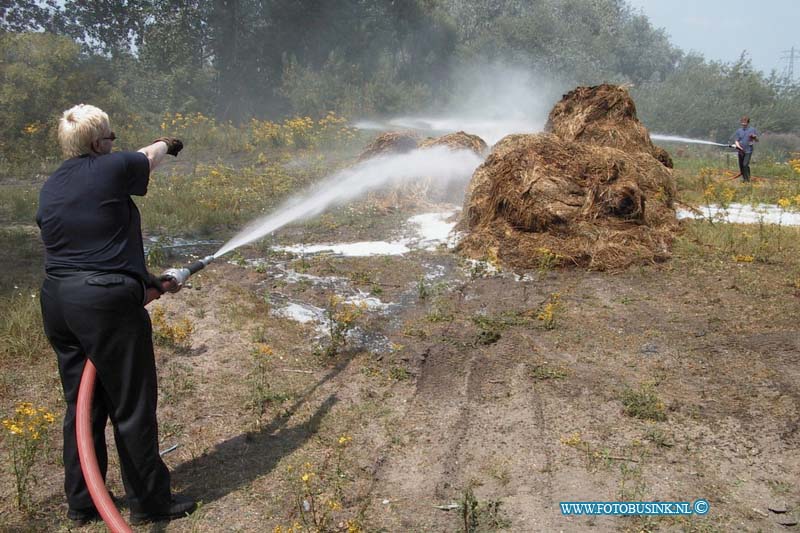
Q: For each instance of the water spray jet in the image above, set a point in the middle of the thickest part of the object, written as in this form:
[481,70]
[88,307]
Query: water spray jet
[440,163]
[673,138]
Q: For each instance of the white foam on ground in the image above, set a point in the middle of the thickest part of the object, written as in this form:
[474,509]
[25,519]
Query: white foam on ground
[433,229]
[350,249]
[302,313]
[369,302]
[430,231]
[481,267]
[745,214]
[434,272]
[292,276]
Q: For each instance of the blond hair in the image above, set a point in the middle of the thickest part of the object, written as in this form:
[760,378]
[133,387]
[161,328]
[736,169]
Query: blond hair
[79,127]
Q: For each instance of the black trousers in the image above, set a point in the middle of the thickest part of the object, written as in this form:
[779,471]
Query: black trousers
[744,164]
[100,316]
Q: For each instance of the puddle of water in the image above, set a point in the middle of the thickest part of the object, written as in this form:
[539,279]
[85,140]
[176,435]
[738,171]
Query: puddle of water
[745,214]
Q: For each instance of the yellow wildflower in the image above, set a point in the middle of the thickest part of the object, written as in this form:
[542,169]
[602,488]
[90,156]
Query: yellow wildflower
[265,349]
[572,440]
[334,505]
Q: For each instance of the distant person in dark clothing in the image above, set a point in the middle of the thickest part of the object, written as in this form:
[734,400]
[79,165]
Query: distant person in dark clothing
[743,141]
[93,300]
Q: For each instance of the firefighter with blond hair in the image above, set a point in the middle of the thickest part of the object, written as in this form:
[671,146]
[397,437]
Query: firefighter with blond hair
[93,297]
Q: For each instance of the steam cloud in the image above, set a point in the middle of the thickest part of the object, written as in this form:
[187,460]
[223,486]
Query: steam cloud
[489,100]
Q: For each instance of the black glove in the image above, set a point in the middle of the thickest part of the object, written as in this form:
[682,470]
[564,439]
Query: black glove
[154,282]
[173,287]
[173,145]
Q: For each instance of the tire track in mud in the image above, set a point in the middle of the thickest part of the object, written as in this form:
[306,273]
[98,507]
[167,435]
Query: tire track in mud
[475,419]
[779,351]
[415,477]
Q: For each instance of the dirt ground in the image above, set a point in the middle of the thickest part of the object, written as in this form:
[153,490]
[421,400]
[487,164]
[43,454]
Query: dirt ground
[464,393]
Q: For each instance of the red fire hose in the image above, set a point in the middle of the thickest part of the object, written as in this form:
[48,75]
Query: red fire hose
[83,421]
[91,471]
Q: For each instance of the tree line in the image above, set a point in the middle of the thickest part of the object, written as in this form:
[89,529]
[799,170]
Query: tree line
[238,59]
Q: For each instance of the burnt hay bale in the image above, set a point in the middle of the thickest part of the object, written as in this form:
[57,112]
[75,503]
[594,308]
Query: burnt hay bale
[595,206]
[592,191]
[604,115]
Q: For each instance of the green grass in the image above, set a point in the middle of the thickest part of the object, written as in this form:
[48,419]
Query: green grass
[545,371]
[207,198]
[21,332]
[19,204]
[764,243]
[196,194]
[643,403]
[773,181]
[491,326]
[21,260]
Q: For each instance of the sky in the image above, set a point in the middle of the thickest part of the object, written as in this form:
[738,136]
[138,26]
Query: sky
[721,29]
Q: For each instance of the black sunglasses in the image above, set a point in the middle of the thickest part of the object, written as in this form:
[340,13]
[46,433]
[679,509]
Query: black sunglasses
[112,137]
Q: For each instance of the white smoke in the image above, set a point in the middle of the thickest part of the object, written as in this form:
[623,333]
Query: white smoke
[489,100]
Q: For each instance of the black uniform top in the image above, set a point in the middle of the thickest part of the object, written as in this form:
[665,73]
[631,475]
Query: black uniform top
[87,217]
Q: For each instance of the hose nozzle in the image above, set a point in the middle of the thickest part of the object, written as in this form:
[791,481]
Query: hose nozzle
[181,275]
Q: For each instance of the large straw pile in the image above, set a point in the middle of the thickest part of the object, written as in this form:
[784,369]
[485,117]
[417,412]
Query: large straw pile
[590,192]
[423,191]
[604,115]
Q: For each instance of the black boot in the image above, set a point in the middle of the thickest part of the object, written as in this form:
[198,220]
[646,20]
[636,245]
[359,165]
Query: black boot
[179,507]
[81,517]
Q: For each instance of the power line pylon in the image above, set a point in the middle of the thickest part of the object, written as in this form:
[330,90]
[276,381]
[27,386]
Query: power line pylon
[790,56]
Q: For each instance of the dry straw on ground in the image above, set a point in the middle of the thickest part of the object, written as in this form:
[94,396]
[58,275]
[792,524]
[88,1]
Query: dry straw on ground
[423,191]
[458,141]
[393,142]
[590,191]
